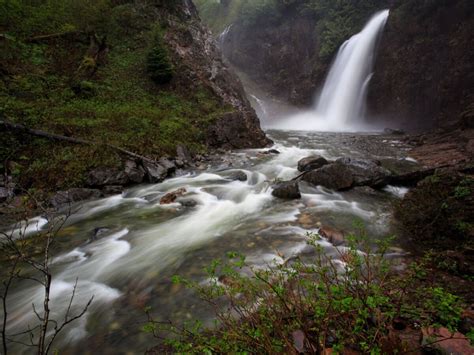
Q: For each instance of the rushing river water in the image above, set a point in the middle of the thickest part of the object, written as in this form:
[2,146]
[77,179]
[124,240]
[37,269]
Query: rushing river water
[128,265]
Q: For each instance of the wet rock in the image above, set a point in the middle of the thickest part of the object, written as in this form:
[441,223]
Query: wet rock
[311,163]
[366,172]
[334,236]
[112,190]
[168,165]
[134,172]
[98,233]
[183,154]
[5,194]
[238,175]
[394,132]
[188,203]
[179,163]
[74,195]
[467,321]
[155,172]
[443,340]
[333,176]
[106,176]
[271,151]
[172,196]
[287,190]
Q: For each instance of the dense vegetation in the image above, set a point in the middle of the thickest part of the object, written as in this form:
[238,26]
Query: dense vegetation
[97,70]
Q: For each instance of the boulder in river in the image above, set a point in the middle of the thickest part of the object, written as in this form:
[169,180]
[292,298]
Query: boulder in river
[334,176]
[172,196]
[74,195]
[238,175]
[287,190]
[334,236]
[366,172]
[311,163]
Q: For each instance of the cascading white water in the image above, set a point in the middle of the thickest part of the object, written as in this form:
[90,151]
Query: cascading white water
[341,103]
[343,95]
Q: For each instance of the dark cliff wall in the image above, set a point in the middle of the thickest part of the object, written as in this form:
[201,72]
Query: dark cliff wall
[199,62]
[424,70]
[279,55]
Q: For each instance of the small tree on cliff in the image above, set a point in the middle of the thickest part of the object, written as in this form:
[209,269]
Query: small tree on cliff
[159,65]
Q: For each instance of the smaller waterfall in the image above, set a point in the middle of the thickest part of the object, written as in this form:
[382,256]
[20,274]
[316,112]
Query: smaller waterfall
[223,35]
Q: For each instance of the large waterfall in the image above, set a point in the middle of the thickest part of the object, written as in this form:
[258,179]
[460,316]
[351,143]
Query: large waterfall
[341,103]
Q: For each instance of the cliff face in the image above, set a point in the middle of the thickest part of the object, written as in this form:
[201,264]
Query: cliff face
[145,76]
[424,70]
[199,62]
[279,55]
[424,64]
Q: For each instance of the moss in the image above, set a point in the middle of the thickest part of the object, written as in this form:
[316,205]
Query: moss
[439,211]
[119,104]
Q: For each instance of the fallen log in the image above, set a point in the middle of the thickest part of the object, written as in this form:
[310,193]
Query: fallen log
[57,137]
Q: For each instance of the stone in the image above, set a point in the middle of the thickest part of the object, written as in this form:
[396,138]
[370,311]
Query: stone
[287,190]
[74,195]
[443,340]
[334,236]
[134,172]
[5,194]
[271,151]
[394,132]
[366,172]
[183,154]
[172,196]
[332,176]
[112,190]
[167,164]
[106,176]
[188,203]
[155,172]
[238,175]
[311,163]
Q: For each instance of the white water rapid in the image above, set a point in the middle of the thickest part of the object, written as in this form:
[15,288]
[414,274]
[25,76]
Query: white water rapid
[341,103]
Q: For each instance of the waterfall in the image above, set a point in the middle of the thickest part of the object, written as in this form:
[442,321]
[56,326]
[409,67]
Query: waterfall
[223,35]
[343,95]
[340,106]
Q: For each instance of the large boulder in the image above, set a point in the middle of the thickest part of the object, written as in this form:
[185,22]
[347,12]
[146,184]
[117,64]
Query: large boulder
[311,163]
[74,195]
[366,172]
[334,176]
[134,172]
[238,175]
[183,154]
[155,172]
[287,190]
[106,176]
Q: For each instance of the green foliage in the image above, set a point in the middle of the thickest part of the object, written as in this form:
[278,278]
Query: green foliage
[159,65]
[118,104]
[439,211]
[351,301]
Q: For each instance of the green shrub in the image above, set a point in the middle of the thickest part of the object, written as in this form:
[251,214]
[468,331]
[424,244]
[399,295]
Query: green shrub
[351,302]
[159,65]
